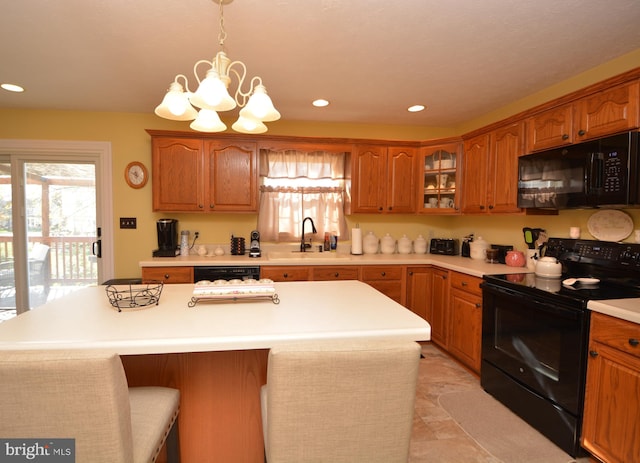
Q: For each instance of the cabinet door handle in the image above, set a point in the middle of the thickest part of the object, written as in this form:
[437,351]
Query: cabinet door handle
[166,276]
[464,283]
[285,275]
[482,208]
[478,305]
[410,273]
[581,132]
[490,206]
[201,206]
[336,274]
[383,274]
[634,342]
[565,136]
[593,353]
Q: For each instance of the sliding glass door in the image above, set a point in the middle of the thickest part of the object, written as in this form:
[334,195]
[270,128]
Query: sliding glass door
[50,228]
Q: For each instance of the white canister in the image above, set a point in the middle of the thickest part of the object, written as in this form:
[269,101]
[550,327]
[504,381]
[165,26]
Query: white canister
[478,248]
[404,245]
[420,245]
[387,244]
[370,243]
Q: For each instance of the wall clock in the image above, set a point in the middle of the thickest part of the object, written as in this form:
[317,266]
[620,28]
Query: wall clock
[136,174]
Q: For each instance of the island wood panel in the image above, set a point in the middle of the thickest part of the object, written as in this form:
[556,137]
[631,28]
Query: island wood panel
[220,419]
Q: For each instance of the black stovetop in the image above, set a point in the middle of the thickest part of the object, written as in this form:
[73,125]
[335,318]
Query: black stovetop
[616,265]
[529,283]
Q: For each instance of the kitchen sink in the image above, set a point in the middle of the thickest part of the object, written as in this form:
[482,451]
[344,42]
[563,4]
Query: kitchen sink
[309,255]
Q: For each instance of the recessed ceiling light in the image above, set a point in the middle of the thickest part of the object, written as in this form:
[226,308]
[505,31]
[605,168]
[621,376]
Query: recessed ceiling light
[415,108]
[320,103]
[12,88]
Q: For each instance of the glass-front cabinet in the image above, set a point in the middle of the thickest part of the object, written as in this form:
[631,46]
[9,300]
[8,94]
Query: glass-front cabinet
[438,167]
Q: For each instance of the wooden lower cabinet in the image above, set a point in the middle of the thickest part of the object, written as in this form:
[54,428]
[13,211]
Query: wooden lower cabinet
[168,275]
[388,279]
[611,424]
[285,273]
[465,320]
[327,273]
[440,307]
[419,291]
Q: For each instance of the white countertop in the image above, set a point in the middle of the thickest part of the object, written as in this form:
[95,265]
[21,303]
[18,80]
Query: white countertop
[460,264]
[307,311]
[625,309]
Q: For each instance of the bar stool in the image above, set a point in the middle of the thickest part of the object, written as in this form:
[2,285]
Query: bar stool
[340,402]
[83,395]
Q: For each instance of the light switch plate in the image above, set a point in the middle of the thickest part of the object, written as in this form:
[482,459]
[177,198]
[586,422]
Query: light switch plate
[128,222]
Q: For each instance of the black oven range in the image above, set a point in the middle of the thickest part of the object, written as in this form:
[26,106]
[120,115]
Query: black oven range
[535,333]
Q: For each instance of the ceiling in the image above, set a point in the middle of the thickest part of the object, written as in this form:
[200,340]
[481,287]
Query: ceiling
[371,58]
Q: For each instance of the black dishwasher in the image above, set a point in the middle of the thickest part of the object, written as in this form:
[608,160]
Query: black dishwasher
[213,273]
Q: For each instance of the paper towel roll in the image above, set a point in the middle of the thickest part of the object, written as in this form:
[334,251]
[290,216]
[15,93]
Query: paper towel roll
[356,241]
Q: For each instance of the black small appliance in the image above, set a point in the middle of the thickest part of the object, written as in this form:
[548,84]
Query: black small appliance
[254,246]
[601,172]
[167,238]
[447,247]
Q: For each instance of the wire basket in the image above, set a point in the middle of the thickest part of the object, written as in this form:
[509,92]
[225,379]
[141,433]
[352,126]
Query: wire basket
[133,296]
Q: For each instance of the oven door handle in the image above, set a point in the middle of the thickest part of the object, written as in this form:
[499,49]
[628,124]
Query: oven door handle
[547,306]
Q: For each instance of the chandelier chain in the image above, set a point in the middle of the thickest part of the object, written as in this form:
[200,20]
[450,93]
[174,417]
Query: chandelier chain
[222,35]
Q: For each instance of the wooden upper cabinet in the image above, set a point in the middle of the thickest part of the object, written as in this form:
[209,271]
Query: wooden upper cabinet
[490,182]
[608,112]
[369,165]
[506,145]
[178,174]
[475,168]
[383,179]
[401,181]
[196,175]
[550,129]
[233,170]
[604,113]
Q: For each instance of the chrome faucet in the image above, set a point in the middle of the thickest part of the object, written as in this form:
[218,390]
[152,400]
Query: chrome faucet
[303,245]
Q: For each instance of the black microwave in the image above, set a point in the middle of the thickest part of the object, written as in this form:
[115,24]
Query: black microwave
[600,172]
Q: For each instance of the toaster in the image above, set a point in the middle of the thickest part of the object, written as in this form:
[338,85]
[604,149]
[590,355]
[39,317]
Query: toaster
[446,247]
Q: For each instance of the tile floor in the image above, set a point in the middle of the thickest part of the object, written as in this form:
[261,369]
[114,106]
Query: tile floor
[436,437]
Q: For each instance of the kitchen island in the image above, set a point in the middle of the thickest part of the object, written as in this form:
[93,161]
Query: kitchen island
[215,353]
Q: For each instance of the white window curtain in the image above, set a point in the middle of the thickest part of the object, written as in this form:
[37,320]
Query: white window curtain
[297,184]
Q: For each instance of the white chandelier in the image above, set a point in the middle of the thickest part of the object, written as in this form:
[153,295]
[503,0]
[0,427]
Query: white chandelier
[212,95]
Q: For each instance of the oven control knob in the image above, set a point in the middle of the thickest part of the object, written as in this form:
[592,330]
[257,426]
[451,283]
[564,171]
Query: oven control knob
[521,370]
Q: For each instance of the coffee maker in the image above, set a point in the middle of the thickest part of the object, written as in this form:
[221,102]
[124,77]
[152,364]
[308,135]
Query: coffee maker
[254,248]
[167,238]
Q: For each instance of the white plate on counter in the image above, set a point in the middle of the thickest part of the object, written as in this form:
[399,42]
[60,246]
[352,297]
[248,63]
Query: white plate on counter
[610,225]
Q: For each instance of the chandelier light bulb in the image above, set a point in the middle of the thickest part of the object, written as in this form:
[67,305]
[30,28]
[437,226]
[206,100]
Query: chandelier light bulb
[175,105]
[212,94]
[246,124]
[260,106]
[208,121]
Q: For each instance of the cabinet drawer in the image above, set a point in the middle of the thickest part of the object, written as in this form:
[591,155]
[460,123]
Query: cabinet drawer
[285,273]
[168,274]
[619,334]
[466,283]
[334,273]
[371,273]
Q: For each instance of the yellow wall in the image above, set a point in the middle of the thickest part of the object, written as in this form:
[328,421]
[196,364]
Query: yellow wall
[129,142]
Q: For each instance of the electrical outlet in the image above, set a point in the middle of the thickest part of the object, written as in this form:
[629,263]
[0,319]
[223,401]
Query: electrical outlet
[196,235]
[128,222]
